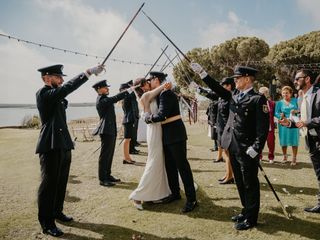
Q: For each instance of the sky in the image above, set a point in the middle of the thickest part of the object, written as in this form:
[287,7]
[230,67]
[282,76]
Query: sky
[93,27]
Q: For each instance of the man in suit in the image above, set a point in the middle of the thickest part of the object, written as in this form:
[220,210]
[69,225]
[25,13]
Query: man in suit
[107,129]
[55,144]
[174,140]
[309,122]
[244,136]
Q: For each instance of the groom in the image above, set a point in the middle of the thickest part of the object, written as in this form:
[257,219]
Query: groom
[174,138]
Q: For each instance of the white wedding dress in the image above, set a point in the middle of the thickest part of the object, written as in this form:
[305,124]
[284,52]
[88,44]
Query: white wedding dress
[153,184]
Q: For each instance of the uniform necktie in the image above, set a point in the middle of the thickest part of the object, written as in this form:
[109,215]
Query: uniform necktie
[240,96]
[304,114]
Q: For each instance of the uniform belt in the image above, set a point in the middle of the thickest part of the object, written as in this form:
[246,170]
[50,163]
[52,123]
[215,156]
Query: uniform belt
[171,119]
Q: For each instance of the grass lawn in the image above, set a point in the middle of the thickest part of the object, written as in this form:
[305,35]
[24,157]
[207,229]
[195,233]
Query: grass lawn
[106,213]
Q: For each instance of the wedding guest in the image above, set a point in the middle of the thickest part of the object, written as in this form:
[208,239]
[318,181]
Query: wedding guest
[271,136]
[287,136]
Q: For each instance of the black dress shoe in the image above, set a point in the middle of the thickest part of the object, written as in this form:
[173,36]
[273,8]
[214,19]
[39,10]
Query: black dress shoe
[230,181]
[189,206]
[113,179]
[315,209]
[171,198]
[238,218]
[107,183]
[63,218]
[245,225]
[54,231]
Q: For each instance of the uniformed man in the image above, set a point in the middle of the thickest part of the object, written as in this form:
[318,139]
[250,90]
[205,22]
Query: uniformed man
[244,136]
[55,144]
[107,129]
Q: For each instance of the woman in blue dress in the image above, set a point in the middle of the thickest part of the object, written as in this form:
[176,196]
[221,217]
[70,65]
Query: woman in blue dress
[287,136]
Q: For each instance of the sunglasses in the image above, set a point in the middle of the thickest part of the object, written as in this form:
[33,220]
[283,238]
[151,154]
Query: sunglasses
[297,78]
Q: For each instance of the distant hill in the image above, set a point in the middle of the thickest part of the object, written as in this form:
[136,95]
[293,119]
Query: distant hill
[8,105]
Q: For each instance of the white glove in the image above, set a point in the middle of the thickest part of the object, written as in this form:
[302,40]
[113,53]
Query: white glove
[145,115]
[96,70]
[251,152]
[131,89]
[197,68]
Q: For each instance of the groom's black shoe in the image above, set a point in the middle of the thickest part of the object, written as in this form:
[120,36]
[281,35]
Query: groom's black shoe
[189,206]
[171,198]
[107,183]
[113,179]
[52,231]
[63,218]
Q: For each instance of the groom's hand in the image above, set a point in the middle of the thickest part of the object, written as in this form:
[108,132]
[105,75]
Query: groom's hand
[147,117]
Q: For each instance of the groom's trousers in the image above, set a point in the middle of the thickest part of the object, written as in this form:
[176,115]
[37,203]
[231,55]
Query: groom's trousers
[176,160]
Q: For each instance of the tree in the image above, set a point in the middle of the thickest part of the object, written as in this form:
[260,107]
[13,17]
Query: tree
[220,61]
[289,56]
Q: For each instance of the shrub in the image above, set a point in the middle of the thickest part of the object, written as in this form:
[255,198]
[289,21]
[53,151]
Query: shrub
[31,121]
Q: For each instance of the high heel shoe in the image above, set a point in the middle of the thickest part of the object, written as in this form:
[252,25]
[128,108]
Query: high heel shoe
[230,181]
[221,179]
[138,205]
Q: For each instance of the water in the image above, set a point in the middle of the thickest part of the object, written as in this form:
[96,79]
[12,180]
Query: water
[13,116]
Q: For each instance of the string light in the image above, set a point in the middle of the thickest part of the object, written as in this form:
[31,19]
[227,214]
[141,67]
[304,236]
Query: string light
[315,66]
[75,52]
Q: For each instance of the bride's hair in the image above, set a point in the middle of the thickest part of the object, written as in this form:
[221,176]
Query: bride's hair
[141,82]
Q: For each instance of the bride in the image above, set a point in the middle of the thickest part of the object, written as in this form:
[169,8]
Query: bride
[153,184]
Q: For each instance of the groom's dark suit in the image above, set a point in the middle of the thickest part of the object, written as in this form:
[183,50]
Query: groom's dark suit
[174,139]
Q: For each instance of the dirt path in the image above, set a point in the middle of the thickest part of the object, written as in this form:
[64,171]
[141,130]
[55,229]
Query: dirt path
[106,213]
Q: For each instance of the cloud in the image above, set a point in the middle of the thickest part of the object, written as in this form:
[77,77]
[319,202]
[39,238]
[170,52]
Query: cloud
[311,7]
[219,32]
[77,26]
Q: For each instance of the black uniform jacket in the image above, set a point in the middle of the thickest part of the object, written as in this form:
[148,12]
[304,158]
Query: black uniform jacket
[314,108]
[52,106]
[105,108]
[129,109]
[172,132]
[248,120]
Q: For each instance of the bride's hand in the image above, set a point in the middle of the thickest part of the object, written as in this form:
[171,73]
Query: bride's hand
[167,85]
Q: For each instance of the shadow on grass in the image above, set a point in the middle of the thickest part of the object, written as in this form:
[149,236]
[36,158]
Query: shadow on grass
[199,159]
[204,170]
[111,232]
[206,208]
[287,189]
[69,198]
[268,223]
[286,166]
[72,179]
[277,224]
[126,185]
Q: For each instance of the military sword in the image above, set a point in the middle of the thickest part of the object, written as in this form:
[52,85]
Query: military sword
[288,216]
[167,37]
[122,35]
[156,61]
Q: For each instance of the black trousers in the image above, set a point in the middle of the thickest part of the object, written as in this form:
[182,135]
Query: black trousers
[55,167]
[133,141]
[108,143]
[245,170]
[314,151]
[176,160]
